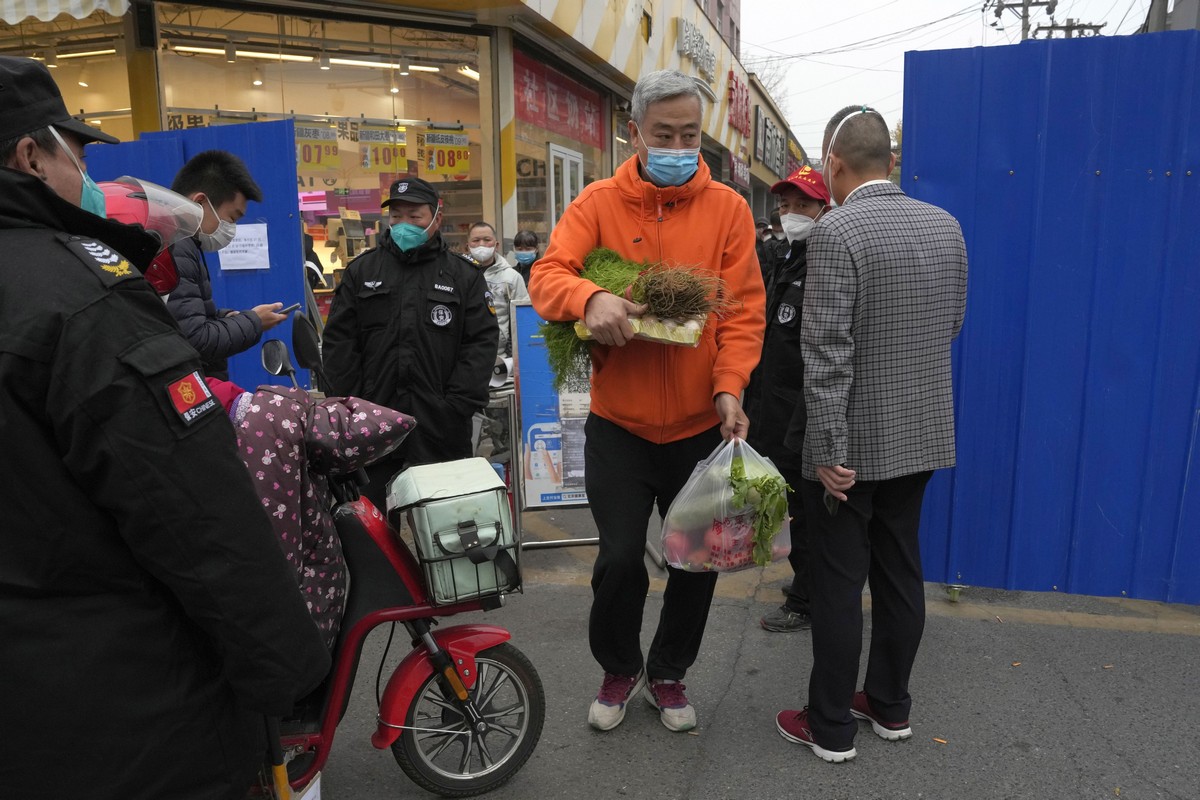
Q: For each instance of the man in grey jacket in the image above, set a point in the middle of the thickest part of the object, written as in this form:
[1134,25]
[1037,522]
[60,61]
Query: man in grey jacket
[887,283]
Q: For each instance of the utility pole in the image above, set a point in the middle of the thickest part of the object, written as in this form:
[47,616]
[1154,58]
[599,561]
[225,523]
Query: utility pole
[1073,29]
[1157,21]
[1022,9]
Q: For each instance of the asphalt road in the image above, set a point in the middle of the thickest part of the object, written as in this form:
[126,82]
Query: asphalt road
[1016,695]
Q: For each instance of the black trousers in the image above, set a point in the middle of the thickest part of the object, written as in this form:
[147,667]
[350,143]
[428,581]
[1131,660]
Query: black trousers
[872,538]
[797,599]
[626,476]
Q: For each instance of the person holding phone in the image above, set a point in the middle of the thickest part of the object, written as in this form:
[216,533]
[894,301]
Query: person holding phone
[221,184]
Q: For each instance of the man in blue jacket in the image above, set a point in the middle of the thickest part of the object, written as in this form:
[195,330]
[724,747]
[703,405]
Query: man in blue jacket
[222,185]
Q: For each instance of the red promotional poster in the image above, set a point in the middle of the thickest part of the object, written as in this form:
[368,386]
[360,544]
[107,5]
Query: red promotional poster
[551,100]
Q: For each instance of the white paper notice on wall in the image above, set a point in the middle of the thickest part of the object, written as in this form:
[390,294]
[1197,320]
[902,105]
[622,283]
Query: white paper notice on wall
[248,250]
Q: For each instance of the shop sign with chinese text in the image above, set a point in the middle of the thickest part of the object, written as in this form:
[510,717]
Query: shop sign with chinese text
[548,99]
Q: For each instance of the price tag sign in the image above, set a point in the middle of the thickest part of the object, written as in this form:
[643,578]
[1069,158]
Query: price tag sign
[447,153]
[317,148]
[382,149]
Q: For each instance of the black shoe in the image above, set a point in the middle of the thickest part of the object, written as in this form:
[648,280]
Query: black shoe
[784,620]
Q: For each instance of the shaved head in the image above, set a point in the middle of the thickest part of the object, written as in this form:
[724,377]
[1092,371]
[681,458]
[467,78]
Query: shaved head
[863,142]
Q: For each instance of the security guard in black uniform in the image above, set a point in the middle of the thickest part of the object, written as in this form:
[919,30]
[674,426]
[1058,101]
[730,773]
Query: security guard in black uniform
[147,616]
[412,327]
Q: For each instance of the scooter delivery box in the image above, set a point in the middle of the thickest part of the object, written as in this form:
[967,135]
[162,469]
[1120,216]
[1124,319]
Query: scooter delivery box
[462,528]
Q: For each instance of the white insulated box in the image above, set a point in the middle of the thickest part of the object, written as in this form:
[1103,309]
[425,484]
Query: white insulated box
[462,528]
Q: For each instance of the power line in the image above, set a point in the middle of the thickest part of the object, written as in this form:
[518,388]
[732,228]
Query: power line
[807,31]
[871,42]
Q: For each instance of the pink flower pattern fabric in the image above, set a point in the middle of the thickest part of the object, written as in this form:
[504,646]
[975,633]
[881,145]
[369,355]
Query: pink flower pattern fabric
[289,443]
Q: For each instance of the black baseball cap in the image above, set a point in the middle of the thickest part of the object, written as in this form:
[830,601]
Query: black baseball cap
[761,223]
[412,190]
[30,100]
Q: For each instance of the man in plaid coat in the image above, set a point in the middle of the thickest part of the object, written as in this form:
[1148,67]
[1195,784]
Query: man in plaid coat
[887,283]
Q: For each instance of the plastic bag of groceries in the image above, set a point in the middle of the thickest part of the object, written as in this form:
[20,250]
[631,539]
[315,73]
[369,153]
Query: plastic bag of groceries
[730,515]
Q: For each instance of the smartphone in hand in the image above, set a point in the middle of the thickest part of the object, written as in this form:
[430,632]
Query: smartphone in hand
[289,309]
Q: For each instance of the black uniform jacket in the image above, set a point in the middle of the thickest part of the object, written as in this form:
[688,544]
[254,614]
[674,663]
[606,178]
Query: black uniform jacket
[415,331]
[146,610]
[215,335]
[775,397]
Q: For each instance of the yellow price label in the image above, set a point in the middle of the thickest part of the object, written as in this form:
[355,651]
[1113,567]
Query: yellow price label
[448,160]
[383,157]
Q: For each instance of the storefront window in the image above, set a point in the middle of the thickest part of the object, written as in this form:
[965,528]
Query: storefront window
[372,103]
[86,57]
[560,134]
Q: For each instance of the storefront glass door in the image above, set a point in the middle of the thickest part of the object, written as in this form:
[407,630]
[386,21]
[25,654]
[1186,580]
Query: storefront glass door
[565,179]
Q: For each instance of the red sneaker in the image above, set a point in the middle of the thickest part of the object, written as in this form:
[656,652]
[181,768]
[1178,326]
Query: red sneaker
[793,726]
[891,731]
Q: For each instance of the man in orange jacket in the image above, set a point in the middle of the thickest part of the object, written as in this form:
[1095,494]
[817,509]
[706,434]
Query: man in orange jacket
[656,409]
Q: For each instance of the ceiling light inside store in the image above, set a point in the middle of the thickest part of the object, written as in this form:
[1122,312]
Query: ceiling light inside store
[473,74]
[393,88]
[109,51]
[51,58]
[220,51]
[258,79]
[420,68]
[84,78]
[324,61]
[404,66]
[230,53]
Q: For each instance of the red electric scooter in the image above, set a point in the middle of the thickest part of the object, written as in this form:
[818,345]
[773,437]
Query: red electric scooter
[463,711]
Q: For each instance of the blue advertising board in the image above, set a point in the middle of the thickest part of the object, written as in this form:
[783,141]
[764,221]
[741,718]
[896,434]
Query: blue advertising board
[550,446]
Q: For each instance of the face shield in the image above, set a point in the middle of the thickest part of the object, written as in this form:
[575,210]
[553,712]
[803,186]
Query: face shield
[168,216]
[163,213]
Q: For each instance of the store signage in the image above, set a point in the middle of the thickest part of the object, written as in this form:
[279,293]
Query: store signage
[182,122]
[382,149]
[317,148]
[550,100]
[446,152]
[739,104]
[770,144]
[690,42]
[795,155]
[739,171]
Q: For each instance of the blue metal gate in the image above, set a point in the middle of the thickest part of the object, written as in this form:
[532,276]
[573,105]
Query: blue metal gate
[1074,168]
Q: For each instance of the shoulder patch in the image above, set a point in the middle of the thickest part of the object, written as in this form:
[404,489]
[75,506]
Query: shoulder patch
[109,265]
[491,302]
[191,397]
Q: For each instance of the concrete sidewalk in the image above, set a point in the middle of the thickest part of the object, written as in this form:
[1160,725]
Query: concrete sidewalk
[1016,695]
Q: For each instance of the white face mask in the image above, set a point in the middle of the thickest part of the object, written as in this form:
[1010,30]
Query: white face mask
[221,237]
[482,254]
[796,226]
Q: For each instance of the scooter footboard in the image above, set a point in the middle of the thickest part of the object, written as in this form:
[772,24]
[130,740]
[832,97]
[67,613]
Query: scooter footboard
[461,642]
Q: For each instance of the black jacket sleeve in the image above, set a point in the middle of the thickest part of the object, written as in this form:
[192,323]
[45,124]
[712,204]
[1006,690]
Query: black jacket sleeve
[340,352]
[467,388]
[183,502]
[214,335]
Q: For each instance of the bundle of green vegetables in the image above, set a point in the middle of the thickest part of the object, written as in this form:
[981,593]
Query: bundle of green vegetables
[678,300]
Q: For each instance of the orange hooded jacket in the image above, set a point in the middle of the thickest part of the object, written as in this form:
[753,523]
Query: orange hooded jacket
[660,392]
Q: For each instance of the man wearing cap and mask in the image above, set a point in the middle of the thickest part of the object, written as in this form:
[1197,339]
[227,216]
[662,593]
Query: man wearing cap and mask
[134,611]
[412,327]
[221,184]
[775,399]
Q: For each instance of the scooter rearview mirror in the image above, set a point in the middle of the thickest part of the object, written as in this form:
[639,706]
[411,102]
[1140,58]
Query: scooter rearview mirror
[275,360]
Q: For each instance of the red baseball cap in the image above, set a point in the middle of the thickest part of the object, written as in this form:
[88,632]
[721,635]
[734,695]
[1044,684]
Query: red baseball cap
[807,180]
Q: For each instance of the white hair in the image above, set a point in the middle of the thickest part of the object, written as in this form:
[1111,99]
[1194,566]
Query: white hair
[665,84]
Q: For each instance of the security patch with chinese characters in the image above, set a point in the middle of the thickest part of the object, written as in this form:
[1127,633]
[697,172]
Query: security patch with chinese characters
[191,397]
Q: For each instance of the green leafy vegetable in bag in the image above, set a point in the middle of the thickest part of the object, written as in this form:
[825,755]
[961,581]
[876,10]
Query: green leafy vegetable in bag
[766,494]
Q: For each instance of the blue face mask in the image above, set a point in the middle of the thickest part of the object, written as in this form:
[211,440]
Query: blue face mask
[670,167]
[525,258]
[408,236]
[91,196]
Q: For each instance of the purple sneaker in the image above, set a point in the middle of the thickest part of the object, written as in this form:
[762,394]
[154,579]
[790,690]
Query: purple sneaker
[608,709]
[674,710]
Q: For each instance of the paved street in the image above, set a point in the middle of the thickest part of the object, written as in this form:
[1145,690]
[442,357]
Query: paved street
[1016,695]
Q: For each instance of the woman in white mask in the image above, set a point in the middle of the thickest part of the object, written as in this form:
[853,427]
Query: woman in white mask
[220,183]
[774,399]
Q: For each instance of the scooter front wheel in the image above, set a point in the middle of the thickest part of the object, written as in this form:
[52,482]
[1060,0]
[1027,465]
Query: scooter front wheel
[443,753]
